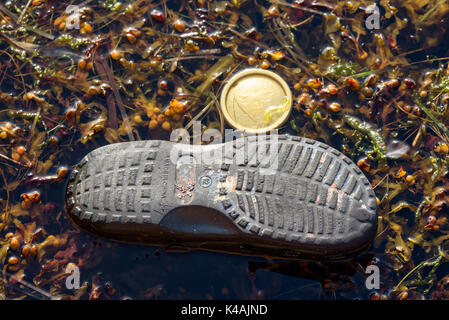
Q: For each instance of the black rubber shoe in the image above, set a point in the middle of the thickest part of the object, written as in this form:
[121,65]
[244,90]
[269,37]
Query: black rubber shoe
[317,204]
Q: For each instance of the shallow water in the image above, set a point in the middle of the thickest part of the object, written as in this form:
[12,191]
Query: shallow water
[113,79]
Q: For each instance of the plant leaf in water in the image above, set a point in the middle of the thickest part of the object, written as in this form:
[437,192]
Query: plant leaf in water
[217,70]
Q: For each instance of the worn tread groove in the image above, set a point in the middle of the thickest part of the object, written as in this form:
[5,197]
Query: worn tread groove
[324,167]
[240,178]
[279,218]
[260,209]
[312,192]
[358,193]
[269,185]
[344,203]
[302,163]
[280,185]
[241,202]
[313,165]
[310,219]
[342,179]
[251,208]
[300,219]
[330,222]
[322,195]
[333,200]
[271,212]
[294,158]
[333,174]
[260,182]
[302,190]
[320,220]
[351,185]
[250,181]
[284,154]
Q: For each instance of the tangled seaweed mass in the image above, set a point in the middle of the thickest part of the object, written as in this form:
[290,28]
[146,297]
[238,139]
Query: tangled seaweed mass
[109,71]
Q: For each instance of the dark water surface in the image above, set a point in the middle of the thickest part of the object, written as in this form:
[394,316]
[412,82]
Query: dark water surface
[65,92]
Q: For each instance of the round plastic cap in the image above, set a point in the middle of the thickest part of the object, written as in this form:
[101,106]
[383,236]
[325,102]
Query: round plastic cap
[256,101]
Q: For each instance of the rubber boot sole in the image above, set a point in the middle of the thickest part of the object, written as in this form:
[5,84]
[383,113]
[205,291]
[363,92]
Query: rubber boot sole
[314,203]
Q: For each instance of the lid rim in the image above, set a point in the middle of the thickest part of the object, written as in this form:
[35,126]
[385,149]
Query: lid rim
[272,75]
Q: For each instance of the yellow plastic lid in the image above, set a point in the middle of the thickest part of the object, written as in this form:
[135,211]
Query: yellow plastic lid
[256,101]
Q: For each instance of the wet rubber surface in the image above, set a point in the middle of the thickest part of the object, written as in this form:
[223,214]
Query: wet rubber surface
[316,203]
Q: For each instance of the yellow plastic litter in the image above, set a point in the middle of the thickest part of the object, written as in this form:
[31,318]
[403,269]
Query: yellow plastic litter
[270,111]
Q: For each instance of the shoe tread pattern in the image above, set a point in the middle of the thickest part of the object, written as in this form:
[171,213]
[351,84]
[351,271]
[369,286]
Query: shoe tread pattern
[318,196]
